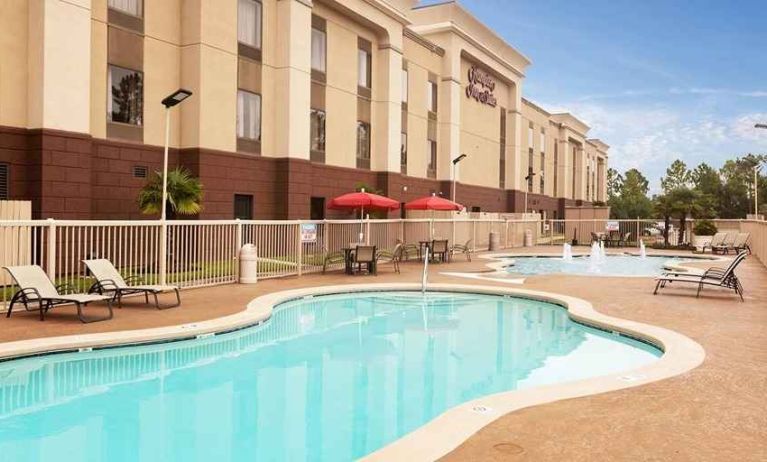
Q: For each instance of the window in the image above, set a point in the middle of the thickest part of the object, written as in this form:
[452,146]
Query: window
[431,96]
[319,50]
[502,154]
[556,168]
[403,153]
[317,127]
[404,85]
[248,115]
[540,175]
[530,136]
[317,208]
[125,103]
[140,171]
[363,145]
[588,181]
[363,74]
[5,183]
[543,141]
[530,170]
[131,7]
[431,169]
[243,206]
[249,14]
[575,169]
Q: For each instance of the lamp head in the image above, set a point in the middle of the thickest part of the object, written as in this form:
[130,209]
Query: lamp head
[176,97]
[459,158]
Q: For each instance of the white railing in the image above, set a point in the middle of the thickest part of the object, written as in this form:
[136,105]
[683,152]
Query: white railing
[204,253]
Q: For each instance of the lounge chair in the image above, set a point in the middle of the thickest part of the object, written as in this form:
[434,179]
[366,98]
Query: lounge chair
[109,280]
[394,256]
[409,251]
[462,249]
[332,258]
[726,244]
[365,256]
[716,241]
[36,287]
[439,250]
[711,277]
[624,240]
[741,243]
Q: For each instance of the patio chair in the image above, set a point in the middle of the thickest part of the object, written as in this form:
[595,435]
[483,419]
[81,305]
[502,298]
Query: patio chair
[716,241]
[394,256]
[741,243]
[711,277]
[365,255]
[726,245]
[594,237]
[439,250]
[624,240]
[409,251]
[36,287]
[332,258]
[109,280]
[462,249]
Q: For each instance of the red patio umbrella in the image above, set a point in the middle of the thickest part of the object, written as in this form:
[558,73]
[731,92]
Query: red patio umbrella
[362,200]
[433,202]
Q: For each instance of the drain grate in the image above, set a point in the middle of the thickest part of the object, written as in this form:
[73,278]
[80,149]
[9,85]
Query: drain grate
[509,448]
[482,409]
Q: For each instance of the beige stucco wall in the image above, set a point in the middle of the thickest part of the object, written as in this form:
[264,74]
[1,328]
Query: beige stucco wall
[13,62]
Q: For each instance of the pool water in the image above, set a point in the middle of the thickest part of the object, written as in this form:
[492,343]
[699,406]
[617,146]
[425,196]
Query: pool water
[327,378]
[612,265]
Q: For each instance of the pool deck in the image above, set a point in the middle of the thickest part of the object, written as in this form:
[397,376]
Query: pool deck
[714,412]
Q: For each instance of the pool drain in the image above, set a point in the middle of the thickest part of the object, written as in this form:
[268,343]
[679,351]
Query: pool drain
[482,409]
[509,448]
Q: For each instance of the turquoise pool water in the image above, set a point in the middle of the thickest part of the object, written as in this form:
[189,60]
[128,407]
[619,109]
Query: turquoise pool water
[327,378]
[613,265]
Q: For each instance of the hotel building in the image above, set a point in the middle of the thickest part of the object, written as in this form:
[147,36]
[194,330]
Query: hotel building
[294,102]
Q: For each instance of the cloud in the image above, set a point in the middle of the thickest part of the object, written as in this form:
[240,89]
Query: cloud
[674,91]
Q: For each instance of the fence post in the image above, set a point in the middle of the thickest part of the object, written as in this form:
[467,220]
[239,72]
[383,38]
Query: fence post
[473,235]
[238,237]
[163,256]
[453,240]
[506,244]
[637,234]
[51,262]
[300,252]
[367,231]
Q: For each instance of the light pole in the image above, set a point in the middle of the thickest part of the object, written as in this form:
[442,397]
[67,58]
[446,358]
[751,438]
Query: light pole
[455,165]
[169,101]
[756,179]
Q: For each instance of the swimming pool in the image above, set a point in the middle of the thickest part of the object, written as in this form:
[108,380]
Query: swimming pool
[612,265]
[326,378]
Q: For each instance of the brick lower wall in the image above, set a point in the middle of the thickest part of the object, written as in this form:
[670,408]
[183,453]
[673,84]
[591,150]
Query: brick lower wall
[73,176]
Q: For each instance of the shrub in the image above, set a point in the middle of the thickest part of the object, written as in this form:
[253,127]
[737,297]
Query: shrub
[704,228]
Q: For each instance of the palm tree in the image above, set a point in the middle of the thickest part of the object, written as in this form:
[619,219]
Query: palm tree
[184,194]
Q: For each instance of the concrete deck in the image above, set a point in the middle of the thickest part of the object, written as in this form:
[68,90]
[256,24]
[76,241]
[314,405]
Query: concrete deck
[714,412]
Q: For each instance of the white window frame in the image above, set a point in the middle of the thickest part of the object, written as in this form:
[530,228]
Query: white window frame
[243,11]
[252,100]
[129,7]
[320,63]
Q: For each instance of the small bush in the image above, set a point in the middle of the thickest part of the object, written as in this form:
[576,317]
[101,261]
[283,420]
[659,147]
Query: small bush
[704,228]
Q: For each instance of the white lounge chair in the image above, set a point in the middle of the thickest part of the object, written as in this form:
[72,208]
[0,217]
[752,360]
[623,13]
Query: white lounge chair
[717,277]
[108,279]
[716,241]
[726,245]
[36,288]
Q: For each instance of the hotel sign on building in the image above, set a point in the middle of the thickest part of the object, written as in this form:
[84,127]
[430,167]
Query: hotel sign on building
[481,86]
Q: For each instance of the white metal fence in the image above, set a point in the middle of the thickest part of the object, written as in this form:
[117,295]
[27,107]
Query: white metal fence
[204,253]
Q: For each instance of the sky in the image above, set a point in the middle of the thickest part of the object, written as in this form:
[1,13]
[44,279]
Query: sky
[657,80]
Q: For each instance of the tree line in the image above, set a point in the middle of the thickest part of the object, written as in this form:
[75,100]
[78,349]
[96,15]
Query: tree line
[701,192]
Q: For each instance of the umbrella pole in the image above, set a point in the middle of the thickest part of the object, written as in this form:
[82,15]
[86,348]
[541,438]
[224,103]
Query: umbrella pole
[361,235]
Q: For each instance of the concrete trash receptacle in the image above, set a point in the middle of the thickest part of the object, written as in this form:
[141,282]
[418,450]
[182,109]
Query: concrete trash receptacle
[528,238]
[494,240]
[248,264]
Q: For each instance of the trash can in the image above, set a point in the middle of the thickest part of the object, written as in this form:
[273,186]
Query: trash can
[494,240]
[248,264]
[528,238]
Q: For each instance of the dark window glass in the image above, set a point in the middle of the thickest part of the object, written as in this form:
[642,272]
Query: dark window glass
[431,169]
[403,153]
[317,211]
[126,96]
[317,130]
[363,140]
[243,206]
